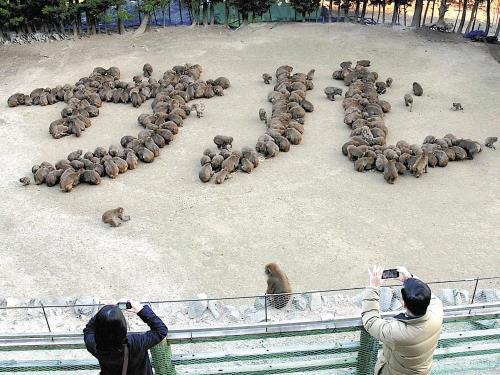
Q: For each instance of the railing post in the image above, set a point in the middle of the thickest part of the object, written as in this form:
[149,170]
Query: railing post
[367,355]
[162,359]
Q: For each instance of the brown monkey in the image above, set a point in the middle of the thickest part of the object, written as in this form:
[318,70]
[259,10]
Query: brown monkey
[251,155]
[110,167]
[267,78]
[246,165]
[147,70]
[25,181]
[293,136]
[114,217]
[53,177]
[262,115]
[420,165]
[69,179]
[409,101]
[277,283]
[205,159]
[231,162]
[132,160]
[223,141]
[217,162]
[222,176]
[121,164]
[145,155]
[206,172]
[390,171]
[490,141]
[91,177]
[417,89]
[75,155]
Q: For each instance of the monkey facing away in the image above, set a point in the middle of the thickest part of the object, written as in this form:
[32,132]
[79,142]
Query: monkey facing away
[114,217]
[277,283]
[409,101]
[490,142]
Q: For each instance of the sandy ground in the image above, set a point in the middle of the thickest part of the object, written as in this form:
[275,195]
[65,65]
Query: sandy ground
[307,210]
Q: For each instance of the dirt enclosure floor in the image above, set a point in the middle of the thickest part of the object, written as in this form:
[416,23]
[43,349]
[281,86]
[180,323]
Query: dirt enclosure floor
[307,209]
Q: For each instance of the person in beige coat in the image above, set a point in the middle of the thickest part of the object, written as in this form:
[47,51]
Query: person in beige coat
[410,338]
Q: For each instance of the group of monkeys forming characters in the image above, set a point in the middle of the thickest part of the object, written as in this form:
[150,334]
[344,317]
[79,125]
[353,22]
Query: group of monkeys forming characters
[171,94]
[367,148]
[285,127]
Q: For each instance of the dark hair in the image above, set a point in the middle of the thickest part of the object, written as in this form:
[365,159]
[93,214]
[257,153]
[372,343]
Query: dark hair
[416,296]
[110,328]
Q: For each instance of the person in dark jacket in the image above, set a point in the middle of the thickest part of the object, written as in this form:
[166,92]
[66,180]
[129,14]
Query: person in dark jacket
[106,338]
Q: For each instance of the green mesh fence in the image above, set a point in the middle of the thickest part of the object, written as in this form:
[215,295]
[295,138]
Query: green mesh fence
[469,344]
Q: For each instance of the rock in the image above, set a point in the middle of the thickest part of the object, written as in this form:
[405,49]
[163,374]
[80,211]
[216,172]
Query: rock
[232,314]
[214,307]
[260,303]
[386,295]
[486,295]
[315,301]
[299,302]
[257,317]
[197,308]
[447,297]
[86,310]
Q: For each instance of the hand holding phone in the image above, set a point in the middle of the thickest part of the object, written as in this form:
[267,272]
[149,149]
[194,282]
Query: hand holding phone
[124,305]
[391,273]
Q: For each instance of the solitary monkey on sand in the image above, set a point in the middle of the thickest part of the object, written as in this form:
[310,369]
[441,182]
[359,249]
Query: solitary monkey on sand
[277,283]
[114,217]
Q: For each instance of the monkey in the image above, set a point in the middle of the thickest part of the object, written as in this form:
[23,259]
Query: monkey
[114,217]
[417,89]
[364,63]
[132,160]
[460,153]
[442,158]
[277,283]
[490,142]
[100,152]
[381,87]
[400,167]
[380,162]
[246,165]
[121,164]
[388,82]
[451,139]
[210,153]
[283,143]
[251,155]
[205,159]
[151,146]
[267,78]
[222,176]
[136,99]
[199,108]
[293,136]
[346,64]
[231,162]
[408,101]
[307,105]
[75,155]
[110,167]
[145,155]
[332,91]
[271,149]
[206,172]
[262,115]
[40,175]
[53,177]
[390,172]
[470,147]
[420,165]
[217,162]
[113,150]
[158,140]
[91,177]
[223,142]
[69,179]
[25,181]
[147,70]
[225,153]
[364,163]
[223,82]
[456,107]
[166,134]
[356,152]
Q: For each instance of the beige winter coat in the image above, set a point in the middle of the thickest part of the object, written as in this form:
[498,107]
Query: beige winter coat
[408,343]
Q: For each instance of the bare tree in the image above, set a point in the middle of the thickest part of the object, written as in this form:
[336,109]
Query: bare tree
[462,21]
[472,19]
[488,19]
[417,16]
[443,7]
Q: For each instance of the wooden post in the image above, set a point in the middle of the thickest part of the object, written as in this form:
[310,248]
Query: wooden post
[367,355]
[162,359]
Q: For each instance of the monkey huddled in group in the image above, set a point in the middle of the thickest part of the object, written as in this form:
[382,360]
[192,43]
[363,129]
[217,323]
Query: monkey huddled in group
[278,286]
[367,148]
[170,109]
[115,217]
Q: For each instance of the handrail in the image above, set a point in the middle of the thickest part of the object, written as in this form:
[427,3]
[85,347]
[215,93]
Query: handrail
[451,314]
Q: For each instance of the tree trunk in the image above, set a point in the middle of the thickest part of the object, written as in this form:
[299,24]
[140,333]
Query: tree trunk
[356,11]
[245,18]
[144,26]
[432,12]
[330,13]
[462,21]
[443,7]
[205,13]
[363,11]
[425,13]
[226,14]
[458,15]
[497,32]
[378,14]
[212,13]
[404,14]
[61,26]
[472,16]
[417,16]
[488,19]
[383,13]
[346,13]
[373,11]
[121,24]
[395,13]
[338,12]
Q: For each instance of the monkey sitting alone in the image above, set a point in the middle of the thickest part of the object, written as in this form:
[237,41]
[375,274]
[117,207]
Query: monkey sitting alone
[409,101]
[25,181]
[114,217]
[457,107]
[277,283]
[267,78]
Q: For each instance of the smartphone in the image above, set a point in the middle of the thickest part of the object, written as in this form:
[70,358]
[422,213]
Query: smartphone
[390,274]
[124,305]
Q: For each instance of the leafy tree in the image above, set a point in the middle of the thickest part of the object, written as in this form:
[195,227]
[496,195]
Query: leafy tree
[305,6]
[246,7]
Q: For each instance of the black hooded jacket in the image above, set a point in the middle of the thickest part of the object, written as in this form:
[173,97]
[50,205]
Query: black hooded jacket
[111,362]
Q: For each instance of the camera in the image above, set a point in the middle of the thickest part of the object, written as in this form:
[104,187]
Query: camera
[124,305]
